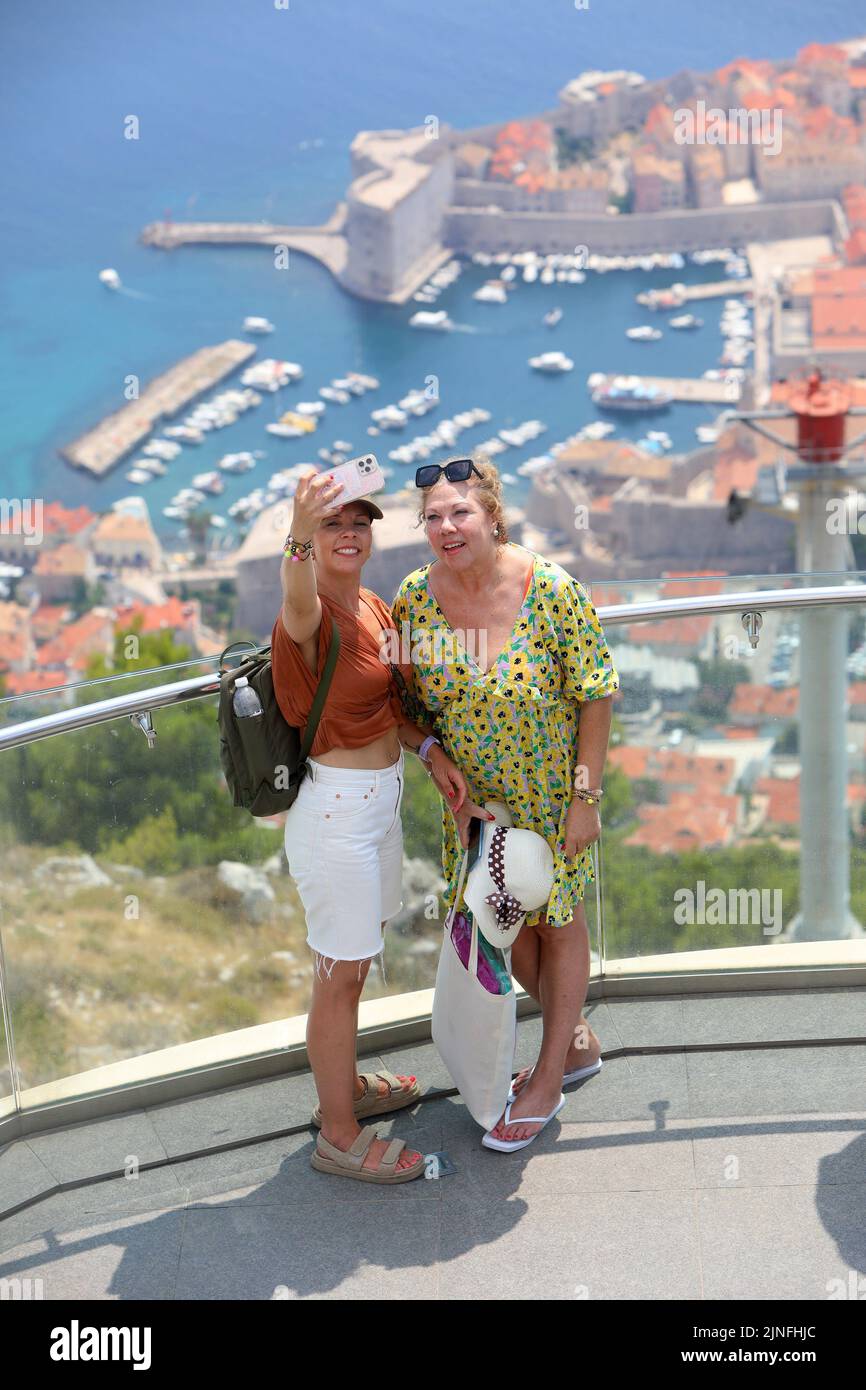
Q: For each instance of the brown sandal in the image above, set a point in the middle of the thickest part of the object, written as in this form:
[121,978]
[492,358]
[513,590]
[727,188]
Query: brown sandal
[348,1163]
[371,1103]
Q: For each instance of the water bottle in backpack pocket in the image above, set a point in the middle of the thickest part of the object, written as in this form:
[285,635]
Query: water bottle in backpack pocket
[245,701]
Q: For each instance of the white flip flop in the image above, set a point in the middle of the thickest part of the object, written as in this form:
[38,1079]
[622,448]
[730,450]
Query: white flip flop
[570,1076]
[507,1146]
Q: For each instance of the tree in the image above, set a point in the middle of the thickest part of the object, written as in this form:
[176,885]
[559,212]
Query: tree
[93,789]
[572,149]
[718,678]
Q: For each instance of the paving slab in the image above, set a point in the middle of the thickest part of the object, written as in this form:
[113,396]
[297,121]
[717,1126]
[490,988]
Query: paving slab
[595,1246]
[781,1243]
[323,1250]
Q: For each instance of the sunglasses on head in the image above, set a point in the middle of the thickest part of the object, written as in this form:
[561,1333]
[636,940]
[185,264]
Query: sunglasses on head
[457,471]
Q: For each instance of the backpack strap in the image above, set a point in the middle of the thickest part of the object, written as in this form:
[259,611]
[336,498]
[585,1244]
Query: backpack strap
[321,693]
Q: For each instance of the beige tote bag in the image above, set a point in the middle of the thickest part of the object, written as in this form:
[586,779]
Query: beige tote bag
[475,1031]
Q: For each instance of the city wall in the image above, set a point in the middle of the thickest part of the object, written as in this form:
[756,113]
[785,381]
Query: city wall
[467,230]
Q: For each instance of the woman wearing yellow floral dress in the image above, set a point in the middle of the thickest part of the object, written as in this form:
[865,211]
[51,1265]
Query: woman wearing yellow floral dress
[510,668]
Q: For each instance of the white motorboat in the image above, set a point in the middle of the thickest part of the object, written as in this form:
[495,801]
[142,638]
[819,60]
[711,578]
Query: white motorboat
[161,449]
[551,362]
[685,321]
[110,278]
[237,463]
[494,292]
[184,433]
[272,373]
[390,417]
[552,318]
[436,319]
[310,408]
[285,431]
[139,475]
[535,465]
[358,383]
[335,396]
[643,334]
[254,324]
[210,482]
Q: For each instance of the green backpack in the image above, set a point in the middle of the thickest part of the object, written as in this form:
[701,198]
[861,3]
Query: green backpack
[263,757]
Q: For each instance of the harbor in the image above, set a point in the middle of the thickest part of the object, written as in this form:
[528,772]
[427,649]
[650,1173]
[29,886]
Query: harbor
[682,389]
[99,449]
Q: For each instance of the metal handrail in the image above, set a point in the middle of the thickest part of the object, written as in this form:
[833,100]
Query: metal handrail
[703,604]
[164,696]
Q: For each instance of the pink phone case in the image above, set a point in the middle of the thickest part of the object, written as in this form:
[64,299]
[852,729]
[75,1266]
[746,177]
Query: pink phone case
[359,476]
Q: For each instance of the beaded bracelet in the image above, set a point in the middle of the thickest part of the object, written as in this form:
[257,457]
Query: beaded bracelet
[590,796]
[297,550]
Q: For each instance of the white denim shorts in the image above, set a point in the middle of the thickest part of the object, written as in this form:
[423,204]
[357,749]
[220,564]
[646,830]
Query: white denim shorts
[344,846]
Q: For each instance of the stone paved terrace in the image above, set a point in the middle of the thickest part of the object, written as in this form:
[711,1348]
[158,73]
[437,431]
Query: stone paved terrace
[631,1195]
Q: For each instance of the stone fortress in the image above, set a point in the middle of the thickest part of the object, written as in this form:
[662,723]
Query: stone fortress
[565,177]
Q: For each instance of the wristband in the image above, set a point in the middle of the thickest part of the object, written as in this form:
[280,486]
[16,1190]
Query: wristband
[425,746]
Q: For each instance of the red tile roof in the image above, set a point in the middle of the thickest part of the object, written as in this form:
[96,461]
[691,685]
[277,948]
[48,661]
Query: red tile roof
[739,473]
[630,758]
[47,620]
[763,702]
[711,776]
[30,682]
[783,795]
[14,647]
[659,121]
[76,642]
[838,323]
[745,67]
[671,829]
[67,558]
[855,247]
[685,586]
[60,520]
[822,55]
[174,613]
[688,631]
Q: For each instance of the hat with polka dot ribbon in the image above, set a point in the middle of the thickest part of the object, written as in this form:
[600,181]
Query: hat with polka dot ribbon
[512,876]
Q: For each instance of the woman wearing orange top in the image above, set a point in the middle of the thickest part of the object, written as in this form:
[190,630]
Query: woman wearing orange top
[343,835]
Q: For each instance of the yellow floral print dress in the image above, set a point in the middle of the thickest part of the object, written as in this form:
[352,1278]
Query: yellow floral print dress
[512,730]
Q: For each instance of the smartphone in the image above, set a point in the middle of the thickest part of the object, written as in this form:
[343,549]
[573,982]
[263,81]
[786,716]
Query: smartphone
[475,841]
[359,477]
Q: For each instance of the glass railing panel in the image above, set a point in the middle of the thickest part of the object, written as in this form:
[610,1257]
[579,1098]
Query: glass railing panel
[15,709]
[605,592]
[141,910]
[6,1087]
[736,785]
